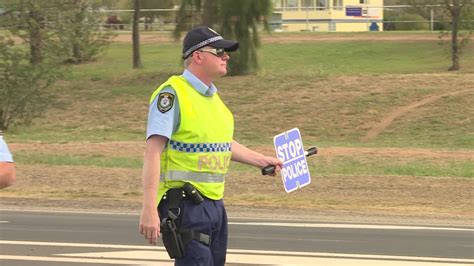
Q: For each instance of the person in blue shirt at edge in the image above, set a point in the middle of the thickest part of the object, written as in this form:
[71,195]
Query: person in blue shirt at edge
[7,166]
[188,150]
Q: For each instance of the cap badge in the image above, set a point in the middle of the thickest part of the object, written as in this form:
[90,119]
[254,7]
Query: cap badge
[213,31]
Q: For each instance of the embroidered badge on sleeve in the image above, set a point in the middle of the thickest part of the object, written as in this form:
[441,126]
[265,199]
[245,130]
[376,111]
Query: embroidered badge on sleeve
[165,101]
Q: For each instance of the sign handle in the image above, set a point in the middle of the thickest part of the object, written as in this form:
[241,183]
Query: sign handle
[270,169]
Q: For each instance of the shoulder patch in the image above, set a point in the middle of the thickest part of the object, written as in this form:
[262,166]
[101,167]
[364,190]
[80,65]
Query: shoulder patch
[165,101]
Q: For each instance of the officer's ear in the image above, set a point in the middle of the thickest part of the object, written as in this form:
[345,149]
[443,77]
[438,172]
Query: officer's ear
[196,57]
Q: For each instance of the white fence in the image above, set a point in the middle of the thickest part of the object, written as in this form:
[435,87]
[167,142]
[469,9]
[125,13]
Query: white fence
[399,17]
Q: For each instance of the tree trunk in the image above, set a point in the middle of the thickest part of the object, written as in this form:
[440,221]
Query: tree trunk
[136,35]
[79,19]
[209,13]
[454,46]
[455,17]
[36,37]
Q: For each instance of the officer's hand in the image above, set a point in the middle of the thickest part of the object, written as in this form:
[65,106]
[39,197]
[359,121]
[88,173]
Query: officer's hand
[275,162]
[150,225]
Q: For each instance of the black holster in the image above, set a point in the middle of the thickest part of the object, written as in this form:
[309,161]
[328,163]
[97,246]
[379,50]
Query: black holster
[175,239]
[172,238]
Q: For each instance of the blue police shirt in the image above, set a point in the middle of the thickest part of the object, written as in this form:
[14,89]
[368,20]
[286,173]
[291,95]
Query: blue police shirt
[166,123]
[5,155]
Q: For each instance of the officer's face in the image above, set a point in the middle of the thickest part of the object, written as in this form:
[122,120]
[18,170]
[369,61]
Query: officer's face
[214,61]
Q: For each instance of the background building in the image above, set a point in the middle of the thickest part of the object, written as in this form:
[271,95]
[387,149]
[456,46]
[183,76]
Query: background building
[327,15]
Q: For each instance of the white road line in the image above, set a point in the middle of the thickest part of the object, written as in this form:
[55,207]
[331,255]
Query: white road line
[354,226]
[4,222]
[350,256]
[250,256]
[265,259]
[82,260]
[39,210]
[293,239]
[276,260]
[79,245]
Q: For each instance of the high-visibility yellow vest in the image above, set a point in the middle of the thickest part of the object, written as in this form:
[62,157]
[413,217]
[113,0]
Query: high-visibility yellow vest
[200,151]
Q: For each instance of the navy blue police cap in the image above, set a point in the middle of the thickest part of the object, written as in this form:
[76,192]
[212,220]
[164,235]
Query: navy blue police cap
[204,36]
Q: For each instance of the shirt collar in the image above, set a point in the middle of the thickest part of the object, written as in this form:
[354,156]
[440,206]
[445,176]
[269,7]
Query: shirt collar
[198,85]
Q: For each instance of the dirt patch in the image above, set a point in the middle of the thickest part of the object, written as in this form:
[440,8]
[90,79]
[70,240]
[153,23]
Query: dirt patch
[400,111]
[338,198]
[136,148]
[111,148]
[361,198]
[290,38]
[74,187]
[381,195]
[383,152]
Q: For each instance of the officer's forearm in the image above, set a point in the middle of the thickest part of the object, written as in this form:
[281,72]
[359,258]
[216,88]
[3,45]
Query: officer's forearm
[151,170]
[151,179]
[242,154]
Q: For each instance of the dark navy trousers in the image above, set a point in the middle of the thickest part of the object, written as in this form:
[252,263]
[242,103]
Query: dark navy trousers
[209,218]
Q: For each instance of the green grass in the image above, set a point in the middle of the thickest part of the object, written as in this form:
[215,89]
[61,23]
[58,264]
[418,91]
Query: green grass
[446,123]
[305,59]
[322,166]
[30,158]
[159,60]
[382,166]
[332,91]
[364,165]
[358,57]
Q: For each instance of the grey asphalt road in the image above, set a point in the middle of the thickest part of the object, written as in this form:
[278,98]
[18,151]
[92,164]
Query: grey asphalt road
[41,234]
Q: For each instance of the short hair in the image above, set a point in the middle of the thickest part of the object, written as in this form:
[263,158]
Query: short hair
[187,61]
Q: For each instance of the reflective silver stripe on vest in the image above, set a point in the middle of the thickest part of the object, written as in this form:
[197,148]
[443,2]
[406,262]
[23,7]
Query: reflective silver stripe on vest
[193,176]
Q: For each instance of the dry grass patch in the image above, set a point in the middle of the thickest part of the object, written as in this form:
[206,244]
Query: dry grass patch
[110,148]
[296,37]
[99,188]
[102,188]
[369,194]
[340,108]
[75,182]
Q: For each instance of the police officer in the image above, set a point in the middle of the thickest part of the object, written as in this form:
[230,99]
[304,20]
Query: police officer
[188,150]
[7,166]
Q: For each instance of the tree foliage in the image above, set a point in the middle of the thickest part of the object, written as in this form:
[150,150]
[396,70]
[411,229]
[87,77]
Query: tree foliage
[79,30]
[61,28]
[24,88]
[460,15]
[47,34]
[188,16]
[151,14]
[456,9]
[418,22]
[240,21]
[237,20]
[31,22]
